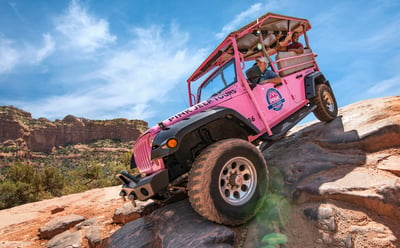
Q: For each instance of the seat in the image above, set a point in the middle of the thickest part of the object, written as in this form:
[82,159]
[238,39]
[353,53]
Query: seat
[253,75]
[290,59]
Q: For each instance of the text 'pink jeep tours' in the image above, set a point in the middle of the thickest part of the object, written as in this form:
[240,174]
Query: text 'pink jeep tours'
[209,150]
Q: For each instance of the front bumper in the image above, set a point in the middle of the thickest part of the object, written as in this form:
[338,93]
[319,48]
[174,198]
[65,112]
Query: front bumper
[143,188]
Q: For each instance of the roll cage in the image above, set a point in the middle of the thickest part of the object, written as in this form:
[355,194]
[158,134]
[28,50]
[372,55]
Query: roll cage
[255,39]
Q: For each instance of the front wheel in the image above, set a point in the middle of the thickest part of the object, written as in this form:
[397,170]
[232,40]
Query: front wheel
[325,101]
[228,182]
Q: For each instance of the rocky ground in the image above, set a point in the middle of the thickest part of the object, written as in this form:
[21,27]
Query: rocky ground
[332,185]
[19,226]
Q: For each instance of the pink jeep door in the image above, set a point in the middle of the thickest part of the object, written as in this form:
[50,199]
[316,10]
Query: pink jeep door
[274,101]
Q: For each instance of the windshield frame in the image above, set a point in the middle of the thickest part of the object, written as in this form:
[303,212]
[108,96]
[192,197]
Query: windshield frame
[212,80]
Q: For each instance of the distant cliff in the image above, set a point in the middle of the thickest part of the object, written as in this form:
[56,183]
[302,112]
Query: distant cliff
[41,135]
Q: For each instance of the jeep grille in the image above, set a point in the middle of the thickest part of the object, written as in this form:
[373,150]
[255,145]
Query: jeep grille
[141,151]
[142,155]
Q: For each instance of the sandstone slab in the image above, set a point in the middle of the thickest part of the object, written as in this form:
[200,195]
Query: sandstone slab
[128,212]
[175,225]
[65,239]
[59,225]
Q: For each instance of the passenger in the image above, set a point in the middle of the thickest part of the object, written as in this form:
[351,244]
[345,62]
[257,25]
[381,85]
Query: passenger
[295,46]
[266,74]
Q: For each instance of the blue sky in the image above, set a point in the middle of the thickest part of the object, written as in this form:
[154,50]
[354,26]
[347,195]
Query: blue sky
[101,59]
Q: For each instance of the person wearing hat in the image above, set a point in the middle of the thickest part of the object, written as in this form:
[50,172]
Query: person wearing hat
[267,76]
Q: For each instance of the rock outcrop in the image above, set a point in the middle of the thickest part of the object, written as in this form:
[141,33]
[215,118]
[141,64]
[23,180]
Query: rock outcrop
[342,178]
[41,135]
[333,184]
[59,225]
[128,212]
[175,225]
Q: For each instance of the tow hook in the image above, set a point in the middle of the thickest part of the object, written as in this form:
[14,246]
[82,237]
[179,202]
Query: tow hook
[123,194]
[131,197]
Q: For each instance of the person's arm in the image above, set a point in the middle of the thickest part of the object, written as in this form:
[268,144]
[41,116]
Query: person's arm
[270,77]
[272,80]
[278,46]
[296,47]
[275,80]
[299,50]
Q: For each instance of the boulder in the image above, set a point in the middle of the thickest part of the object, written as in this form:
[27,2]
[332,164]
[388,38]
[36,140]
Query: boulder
[66,239]
[343,176]
[128,212]
[93,232]
[58,225]
[175,225]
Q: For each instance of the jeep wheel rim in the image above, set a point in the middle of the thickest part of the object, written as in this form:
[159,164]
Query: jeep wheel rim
[237,181]
[328,100]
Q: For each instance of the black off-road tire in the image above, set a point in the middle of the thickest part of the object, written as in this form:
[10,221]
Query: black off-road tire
[228,182]
[325,101]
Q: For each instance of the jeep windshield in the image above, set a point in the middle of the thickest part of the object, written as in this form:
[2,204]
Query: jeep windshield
[218,81]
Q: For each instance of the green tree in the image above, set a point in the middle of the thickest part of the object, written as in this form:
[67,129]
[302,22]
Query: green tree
[52,180]
[16,193]
[126,159]
[19,172]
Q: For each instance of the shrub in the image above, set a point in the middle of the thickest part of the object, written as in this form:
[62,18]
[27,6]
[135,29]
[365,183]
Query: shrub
[16,193]
[52,180]
[22,182]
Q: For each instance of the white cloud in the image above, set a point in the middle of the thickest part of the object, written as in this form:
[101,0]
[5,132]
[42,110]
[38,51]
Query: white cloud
[386,87]
[83,30]
[147,70]
[39,54]
[254,11]
[379,40]
[239,19]
[13,55]
[129,81]
[14,8]
[9,56]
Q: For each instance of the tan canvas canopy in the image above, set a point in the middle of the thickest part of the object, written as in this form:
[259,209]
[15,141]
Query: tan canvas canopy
[254,39]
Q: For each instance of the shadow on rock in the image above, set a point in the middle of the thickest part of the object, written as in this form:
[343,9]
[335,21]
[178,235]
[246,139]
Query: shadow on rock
[316,148]
[175,225]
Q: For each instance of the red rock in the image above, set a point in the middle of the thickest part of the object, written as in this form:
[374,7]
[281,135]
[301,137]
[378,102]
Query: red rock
[42,135]
[59,225]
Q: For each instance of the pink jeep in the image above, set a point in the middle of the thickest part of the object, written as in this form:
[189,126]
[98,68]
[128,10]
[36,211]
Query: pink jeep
[210,149]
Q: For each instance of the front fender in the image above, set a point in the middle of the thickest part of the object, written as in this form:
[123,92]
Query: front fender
[311,80]
[187,125]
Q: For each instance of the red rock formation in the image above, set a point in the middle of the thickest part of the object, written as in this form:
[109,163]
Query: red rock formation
[41,135]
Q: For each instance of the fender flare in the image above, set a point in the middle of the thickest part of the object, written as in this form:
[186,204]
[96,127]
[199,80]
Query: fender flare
[187,125]
[311,80]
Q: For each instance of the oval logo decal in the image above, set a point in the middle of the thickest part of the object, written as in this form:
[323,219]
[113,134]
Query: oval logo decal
[274,99]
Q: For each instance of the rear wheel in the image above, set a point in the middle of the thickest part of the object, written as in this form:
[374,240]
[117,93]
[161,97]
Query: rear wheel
[325,101]
[228,182]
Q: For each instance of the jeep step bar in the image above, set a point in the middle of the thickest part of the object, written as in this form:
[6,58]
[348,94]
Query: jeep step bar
[282,128]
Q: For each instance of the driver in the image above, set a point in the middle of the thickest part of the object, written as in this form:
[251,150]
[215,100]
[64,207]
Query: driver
[267,76]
